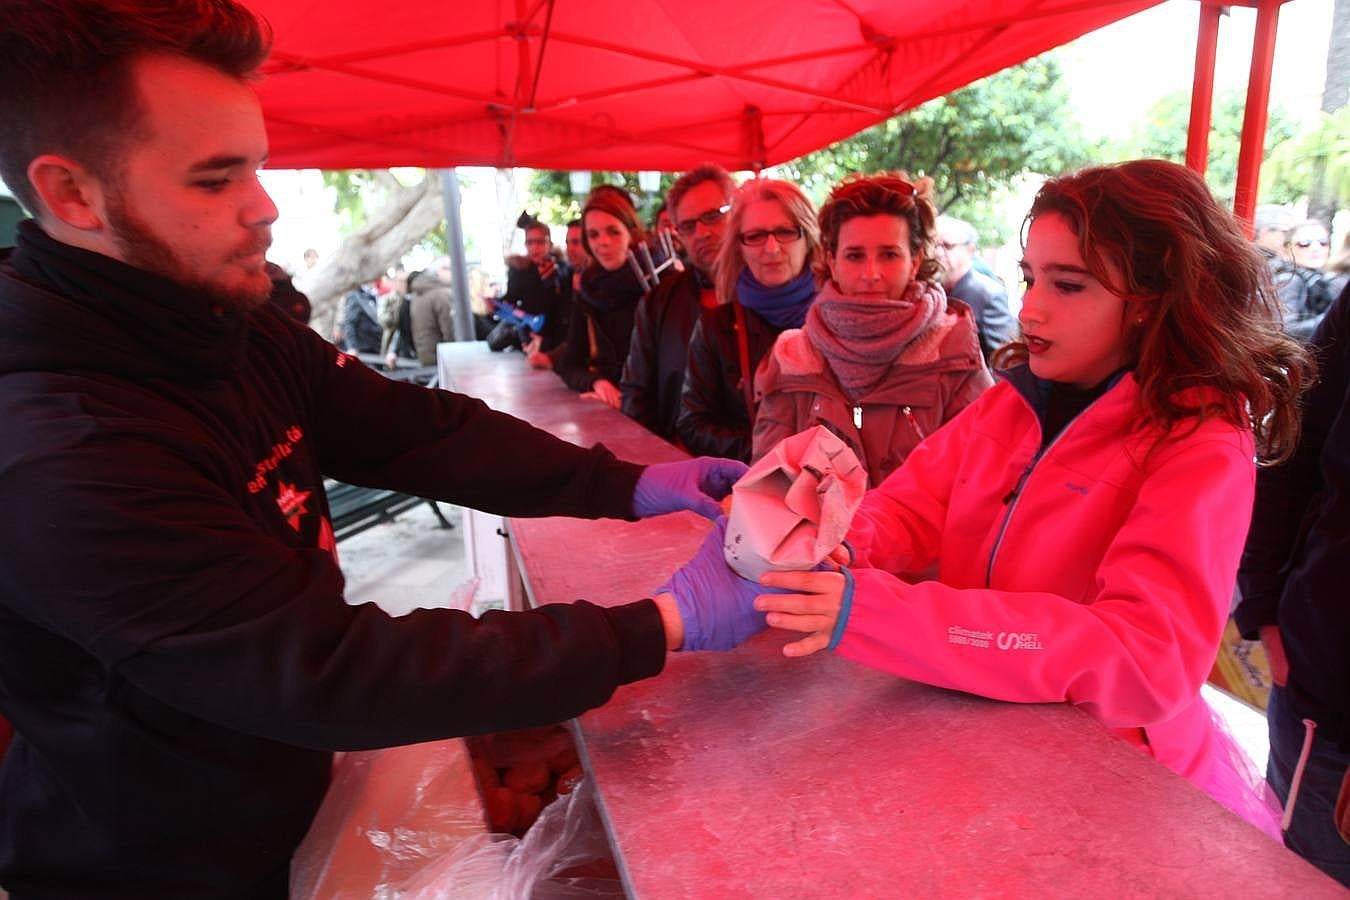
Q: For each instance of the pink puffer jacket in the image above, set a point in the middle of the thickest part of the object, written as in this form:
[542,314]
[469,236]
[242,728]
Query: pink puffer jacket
[1100,573]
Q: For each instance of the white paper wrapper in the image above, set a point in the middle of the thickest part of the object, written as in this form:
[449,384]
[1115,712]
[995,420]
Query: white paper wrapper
[794,506]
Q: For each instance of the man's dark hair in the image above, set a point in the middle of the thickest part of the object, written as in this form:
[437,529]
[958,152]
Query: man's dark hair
[66,79]
[692,179]
[575,223]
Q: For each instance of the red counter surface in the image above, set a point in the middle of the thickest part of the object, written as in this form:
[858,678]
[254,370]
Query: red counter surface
[746,774]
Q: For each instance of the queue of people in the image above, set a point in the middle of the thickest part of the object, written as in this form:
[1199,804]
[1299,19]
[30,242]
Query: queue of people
[1145,381]
[175,653]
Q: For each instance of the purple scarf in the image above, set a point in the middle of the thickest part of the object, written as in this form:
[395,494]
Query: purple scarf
[861,339]
[783,306]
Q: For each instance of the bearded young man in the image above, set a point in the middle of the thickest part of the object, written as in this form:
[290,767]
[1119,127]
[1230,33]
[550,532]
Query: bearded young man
[175,652]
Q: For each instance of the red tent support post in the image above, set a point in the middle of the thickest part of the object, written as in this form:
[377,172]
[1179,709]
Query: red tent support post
[1256,115]
[1202,89]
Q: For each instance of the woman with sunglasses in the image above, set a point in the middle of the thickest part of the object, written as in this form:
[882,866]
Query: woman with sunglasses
[885,358]
[601,325]
[765,284]
[1074,534]
[1308,291]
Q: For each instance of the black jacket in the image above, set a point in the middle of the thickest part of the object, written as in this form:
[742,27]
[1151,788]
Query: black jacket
[713,418]
[175,651]
[612,330]
[361,328]
[1297,560]
[553,298]
[1305,295]
[653,377]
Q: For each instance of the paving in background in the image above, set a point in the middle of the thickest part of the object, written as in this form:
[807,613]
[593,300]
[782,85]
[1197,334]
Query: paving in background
[408,563]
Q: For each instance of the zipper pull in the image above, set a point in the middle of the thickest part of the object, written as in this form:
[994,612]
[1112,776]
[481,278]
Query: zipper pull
[1021,480]
[857,417]
[913,422]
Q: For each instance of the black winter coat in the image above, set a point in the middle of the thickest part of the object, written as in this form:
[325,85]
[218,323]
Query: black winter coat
[526,290]
[713,419]
[361,328]
[1294,568]
[613,330]
[653,377]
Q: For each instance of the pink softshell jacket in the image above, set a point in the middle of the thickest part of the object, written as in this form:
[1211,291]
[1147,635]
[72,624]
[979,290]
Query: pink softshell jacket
[1099,574]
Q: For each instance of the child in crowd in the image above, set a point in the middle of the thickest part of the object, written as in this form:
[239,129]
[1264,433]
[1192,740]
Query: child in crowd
[884,358]
[1086,515]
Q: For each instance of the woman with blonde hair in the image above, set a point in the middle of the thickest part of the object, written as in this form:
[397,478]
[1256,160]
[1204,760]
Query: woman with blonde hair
[765,284]
[1085,516]
[884,358]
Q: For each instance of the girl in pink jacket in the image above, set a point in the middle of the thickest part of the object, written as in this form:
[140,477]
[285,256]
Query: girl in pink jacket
[1074,534]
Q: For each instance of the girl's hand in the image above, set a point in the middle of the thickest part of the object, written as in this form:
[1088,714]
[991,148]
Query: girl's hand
[813,608]
[604,391]
[1274,644]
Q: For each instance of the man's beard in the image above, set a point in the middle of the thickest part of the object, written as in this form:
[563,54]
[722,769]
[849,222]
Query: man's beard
[141,248]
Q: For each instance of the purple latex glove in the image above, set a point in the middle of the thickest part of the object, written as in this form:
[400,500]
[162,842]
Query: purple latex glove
[716,604]
[695,484]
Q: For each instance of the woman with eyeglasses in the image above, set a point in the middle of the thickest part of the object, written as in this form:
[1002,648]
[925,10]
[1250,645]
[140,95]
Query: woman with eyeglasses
[601,325]
[1307,291]
[884,358]
[1073,536]
[765,284]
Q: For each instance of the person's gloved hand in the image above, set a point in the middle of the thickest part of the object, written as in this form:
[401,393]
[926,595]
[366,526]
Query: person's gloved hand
[716,604]
[695,484]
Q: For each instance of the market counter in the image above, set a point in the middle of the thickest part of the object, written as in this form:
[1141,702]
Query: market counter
[747,774]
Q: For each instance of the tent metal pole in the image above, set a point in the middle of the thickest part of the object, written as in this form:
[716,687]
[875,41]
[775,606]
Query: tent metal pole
[454,237]
[1202,89]
[1255,117]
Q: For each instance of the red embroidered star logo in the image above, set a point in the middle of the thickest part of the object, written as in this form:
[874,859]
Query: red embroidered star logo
[292,503]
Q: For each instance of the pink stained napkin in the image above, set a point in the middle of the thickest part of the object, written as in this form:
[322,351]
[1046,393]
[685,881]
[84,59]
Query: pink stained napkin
[794,506]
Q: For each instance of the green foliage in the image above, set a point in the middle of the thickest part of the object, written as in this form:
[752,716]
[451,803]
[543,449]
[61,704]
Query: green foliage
[1290,165]
[349,187]
[973,143]
[552,201]
[1162,135]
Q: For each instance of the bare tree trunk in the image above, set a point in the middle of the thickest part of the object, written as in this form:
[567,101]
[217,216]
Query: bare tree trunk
[509,206]
[1335,92]
[406,217]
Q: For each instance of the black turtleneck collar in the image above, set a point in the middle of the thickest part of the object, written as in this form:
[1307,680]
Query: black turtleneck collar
[128,320]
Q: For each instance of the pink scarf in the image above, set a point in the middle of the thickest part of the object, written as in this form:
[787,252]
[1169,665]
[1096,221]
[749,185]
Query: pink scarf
[861,339]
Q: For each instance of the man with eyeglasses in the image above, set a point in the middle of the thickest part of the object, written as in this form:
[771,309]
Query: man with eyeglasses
[653,376]
[536,284]
[961,278]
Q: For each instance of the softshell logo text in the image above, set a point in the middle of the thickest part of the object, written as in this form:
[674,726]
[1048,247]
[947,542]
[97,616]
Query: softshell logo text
[1012,640]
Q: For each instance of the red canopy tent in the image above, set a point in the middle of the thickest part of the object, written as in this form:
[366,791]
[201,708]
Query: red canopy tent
[627,84]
